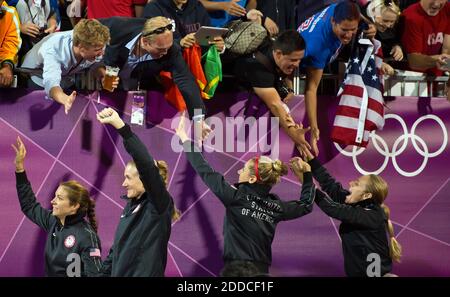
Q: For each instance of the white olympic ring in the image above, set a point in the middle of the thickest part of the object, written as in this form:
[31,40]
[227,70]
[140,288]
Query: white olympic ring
[384,151]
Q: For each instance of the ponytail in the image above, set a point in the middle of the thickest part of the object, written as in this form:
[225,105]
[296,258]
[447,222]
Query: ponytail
[164,172]
[267,171]
[91,215]
[176,214]
[395,249]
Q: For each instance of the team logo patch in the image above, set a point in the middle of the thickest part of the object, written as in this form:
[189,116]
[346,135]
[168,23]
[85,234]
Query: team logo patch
[69,241]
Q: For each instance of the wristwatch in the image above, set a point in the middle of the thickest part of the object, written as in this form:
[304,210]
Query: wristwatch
[7,62]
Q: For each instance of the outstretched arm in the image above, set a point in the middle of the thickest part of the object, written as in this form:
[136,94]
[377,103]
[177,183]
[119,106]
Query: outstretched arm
[297,208]
[368,218]
[145,164]
[30,207]
[214,180]
[328,184]
[313,77]
[273,101]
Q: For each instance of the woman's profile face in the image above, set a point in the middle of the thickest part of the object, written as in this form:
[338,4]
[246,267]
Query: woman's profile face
[61,204]
[244,173]
[357,190]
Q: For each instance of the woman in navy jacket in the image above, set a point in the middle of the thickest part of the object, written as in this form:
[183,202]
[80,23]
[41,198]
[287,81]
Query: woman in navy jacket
[142,235]
[365,221]
[252,211]
[73,246]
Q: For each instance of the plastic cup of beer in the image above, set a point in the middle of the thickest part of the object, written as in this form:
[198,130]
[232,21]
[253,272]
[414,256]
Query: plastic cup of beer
[110,77]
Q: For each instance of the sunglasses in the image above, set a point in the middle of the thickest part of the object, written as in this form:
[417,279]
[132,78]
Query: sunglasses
[160,30]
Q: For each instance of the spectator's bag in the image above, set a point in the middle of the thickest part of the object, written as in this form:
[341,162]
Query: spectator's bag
[244,37]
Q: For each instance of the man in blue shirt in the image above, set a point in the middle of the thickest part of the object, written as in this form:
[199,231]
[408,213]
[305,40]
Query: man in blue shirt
[61,55]
[325,34]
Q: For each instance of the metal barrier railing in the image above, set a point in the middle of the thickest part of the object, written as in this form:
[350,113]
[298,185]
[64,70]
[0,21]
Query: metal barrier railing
[416,86]
[396,85]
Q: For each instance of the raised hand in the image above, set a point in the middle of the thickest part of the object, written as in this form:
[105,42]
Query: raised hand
[298,166]
[297,134]
[255,15]
[110,116]
[201,131]
[315,135]
[188,40]
[306,153]
[21,152]
[29,29]
[219,43]
[100,74]
[180,131]
[6,76]
[233,8]
[271,26]
[67,101]
[396,53]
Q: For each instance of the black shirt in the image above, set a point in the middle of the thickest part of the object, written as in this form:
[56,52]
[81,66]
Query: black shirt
[282,12]
[252,212]
[363,227]
[141,238]
[188,19]
[75,237]
[252,73]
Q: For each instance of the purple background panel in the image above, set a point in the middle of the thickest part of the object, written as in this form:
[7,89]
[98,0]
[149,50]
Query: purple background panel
[76,146]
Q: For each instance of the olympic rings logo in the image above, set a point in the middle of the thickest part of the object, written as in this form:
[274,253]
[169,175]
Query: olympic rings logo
[395,152]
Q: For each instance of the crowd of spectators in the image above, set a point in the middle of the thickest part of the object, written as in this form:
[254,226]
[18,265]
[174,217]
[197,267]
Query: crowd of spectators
[415,35]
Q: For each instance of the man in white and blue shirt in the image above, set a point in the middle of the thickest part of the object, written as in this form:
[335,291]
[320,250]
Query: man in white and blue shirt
[61,55]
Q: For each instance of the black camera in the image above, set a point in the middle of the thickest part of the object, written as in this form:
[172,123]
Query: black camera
[42,33]
[282,89]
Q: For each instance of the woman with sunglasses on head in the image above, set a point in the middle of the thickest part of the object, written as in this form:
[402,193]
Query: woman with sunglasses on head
[73,246]
[252,211]
[365,221]
[142,48]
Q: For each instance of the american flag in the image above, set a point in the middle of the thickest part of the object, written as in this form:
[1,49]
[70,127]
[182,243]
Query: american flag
[360,109]
[93,252]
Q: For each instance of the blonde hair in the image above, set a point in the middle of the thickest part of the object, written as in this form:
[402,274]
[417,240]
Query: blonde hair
[378,187]
[377,7]
[269,171]
[153,24]
[89,33]
[164,172]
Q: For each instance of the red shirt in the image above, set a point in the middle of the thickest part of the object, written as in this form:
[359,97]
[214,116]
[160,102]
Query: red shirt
[424,34]
[108,8]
